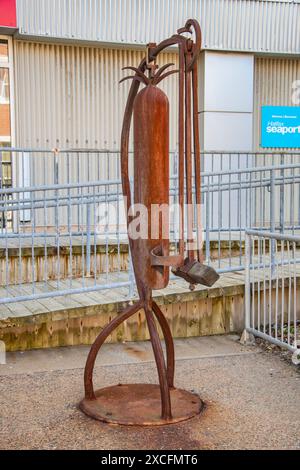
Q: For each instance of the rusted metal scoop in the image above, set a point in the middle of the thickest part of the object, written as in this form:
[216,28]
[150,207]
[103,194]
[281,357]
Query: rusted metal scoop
[196,273]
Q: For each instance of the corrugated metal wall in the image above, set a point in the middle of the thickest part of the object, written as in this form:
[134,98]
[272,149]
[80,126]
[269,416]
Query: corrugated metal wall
[273,81]
[69,96]
[249,25]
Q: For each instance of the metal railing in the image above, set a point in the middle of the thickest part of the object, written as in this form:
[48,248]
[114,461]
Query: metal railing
[272,309]
[62,222]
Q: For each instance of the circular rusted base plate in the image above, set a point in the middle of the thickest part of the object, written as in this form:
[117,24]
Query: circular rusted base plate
[140,405]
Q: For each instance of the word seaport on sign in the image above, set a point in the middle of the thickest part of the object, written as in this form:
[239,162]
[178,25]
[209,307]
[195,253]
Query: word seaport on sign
[280,126]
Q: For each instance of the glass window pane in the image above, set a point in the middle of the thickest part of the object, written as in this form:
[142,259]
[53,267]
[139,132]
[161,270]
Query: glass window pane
[5,170]
[3,51]
[4,85]
[4,105]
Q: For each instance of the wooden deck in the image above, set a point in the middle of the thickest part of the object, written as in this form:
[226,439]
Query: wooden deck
[176,288]
[78,318]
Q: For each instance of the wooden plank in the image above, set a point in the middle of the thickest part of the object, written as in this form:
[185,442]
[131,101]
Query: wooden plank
[235,308]
[179,313]
[135,327]
[193,317]
[27,307]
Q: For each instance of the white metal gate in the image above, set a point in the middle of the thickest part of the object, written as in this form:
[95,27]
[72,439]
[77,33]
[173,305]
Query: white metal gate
[272,288]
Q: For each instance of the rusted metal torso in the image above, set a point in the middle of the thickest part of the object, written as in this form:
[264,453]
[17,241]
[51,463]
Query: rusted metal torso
[148,404]
[151,180]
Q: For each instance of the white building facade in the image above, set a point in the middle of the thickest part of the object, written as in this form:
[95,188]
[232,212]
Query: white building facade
[65,60]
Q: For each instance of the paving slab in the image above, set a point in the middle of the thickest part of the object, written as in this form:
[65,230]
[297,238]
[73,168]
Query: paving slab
[73,357]
[252,398]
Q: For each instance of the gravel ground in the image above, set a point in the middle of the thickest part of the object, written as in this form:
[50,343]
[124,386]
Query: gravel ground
[252,402]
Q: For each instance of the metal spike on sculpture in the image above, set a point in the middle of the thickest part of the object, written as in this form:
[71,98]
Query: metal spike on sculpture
[150,404]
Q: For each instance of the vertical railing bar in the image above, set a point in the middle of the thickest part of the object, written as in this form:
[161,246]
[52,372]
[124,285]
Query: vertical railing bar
[118,229]
[81,223]
[229,217]
[219,220]
[250,200]
[246,200]
[263,198]
[17,217]
[107,166]
[32,169]
[298,174]
[45,241]
[57,238]
[78,192]
[212,207]
[88,166]
[283,200]
[70,221]
[207,228]
[239,212]
[289,295]
[88,239]
[98,167]
[176,199]
[247,280]
[295,298]
[68,167]
[270,284]
[44,168]
[95,236]
[258,283]
[264,283]
[32,194]
[252,253]
[272,218]
[292,201]
[22,171]
[281,209]
[6,244]
[282,288]
[3,214]
[276,292]
[88,225]
[106,232]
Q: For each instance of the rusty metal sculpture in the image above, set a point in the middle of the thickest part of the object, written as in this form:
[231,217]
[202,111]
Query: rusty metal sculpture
[149,404]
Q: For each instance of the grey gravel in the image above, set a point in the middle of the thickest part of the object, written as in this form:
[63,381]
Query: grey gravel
[252,402]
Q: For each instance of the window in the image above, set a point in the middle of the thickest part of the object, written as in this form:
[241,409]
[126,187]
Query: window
[5,95]
[4,86]
[3,51]
[6,128]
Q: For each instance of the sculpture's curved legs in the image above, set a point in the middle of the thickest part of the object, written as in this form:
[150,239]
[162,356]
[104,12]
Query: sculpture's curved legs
[166,413]
[168,341]
[89,367]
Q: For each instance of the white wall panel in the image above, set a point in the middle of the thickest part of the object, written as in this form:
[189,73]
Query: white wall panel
[228,82]
[227,131]
[226,101]
[248,25]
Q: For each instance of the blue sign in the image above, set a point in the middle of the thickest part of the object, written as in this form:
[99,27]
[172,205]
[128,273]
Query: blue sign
[280,126]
